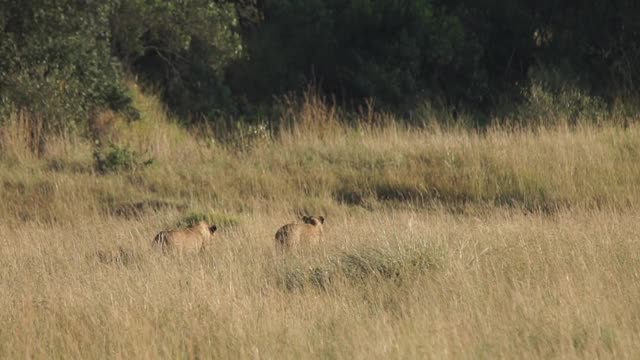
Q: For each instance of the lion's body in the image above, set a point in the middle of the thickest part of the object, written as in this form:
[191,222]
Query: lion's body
[193,239]
[295,236]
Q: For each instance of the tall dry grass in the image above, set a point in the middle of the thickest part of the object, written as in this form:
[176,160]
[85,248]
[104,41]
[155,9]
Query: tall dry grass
[393,284]
[441,243]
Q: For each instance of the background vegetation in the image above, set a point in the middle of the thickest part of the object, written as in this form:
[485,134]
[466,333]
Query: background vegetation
[212,60]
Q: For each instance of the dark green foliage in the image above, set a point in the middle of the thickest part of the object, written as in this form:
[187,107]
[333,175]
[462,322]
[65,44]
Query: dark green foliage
[64,60]
[393,51]
[180,47]
[600,40]
[468,54]
[590,44]
[55,61]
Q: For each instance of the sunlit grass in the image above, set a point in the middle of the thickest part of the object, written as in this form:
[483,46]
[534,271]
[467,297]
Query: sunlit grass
[440,242]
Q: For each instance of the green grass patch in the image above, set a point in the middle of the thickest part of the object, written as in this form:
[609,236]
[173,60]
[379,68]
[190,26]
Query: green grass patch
[222,220]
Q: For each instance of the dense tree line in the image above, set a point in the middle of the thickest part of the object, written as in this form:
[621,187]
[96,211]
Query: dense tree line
[66,58]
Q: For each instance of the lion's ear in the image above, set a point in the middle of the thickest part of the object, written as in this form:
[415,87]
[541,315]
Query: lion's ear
[321,219]
[213,228]
[306,219]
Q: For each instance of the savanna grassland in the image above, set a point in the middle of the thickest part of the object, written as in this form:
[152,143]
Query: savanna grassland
[441,242]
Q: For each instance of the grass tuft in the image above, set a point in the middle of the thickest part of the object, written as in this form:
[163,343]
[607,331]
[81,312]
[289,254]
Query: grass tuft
[221,220]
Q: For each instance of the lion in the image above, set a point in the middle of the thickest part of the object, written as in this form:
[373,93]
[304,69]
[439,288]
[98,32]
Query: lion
[194,238]
[292,235]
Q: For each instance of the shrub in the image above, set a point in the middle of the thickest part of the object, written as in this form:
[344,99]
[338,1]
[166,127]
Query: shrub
[118,158]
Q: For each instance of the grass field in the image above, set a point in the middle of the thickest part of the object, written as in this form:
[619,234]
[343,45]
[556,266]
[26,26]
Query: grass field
[440,242]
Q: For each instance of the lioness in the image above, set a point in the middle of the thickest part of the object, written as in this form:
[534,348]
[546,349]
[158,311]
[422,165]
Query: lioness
[191,239]
[291,235]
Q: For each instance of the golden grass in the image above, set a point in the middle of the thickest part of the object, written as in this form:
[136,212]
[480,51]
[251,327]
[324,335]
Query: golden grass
[440,243]
[502,285]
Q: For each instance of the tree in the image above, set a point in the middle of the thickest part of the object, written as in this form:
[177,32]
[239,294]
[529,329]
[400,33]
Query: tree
[182,47]
[393,51]
[54,60]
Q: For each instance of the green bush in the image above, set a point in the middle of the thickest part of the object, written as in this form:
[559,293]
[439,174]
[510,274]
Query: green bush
[118,158]
[553,97]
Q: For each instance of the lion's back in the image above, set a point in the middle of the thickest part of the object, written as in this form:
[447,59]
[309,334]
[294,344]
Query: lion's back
[179,239]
